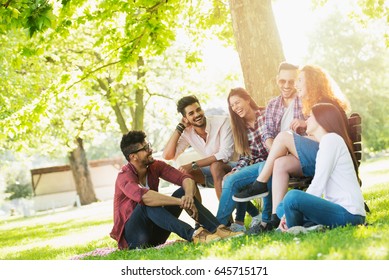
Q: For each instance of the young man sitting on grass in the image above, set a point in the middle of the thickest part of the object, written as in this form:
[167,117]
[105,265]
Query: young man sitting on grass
[143,217]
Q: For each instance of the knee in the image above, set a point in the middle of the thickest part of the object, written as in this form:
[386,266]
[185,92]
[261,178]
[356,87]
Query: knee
[180,192]
[291,197]
[230,181]
[216,169]
[283,137]
[279,165]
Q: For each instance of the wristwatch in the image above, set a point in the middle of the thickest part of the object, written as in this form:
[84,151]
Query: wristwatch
[195,166]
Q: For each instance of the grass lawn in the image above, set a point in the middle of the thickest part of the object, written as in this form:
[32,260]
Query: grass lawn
[58,236]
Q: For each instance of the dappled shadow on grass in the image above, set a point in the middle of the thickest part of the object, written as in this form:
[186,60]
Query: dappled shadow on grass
[57,253]
[27,234]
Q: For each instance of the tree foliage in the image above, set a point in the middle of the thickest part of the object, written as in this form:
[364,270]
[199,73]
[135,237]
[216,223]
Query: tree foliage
[369,10]
[32,15]
[357,59]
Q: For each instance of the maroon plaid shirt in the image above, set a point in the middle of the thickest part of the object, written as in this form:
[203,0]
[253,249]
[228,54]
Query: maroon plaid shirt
[257,146]
[129,193]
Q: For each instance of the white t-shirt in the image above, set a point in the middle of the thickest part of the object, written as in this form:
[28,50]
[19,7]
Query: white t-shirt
[335,177]
[287,117]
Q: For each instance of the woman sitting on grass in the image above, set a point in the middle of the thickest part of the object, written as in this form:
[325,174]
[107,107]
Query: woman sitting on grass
[336,178]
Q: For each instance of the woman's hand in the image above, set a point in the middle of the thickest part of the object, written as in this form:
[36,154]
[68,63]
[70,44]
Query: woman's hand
[283,227]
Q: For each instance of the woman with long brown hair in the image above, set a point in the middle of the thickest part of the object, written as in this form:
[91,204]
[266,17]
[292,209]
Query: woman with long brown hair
[336,178]
[247,124]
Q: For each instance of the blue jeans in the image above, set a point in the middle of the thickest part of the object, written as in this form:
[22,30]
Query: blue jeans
[206,170]
[151,226]
[235,183]
[307,150]
[300,207]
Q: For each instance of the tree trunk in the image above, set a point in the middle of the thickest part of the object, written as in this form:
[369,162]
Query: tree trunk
[259,46]
[138,116]
[81,174]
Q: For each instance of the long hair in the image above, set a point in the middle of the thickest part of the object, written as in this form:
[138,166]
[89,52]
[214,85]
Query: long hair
[329,117]
[238,125]
[319,89]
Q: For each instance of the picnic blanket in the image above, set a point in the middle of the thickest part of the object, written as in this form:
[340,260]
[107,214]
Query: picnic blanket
[108,250]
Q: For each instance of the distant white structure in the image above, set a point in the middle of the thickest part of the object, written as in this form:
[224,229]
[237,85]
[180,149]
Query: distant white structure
[54,187]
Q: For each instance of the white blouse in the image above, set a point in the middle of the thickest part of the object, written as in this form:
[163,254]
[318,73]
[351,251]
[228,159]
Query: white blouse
[335,177]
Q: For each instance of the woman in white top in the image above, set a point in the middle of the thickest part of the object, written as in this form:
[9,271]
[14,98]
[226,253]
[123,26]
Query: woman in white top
[334,197]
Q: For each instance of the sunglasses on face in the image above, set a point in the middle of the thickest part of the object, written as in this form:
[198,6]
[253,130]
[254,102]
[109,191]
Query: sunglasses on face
[283,82]
[146,148]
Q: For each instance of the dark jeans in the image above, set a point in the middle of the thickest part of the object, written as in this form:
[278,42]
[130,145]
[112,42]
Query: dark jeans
[151,226]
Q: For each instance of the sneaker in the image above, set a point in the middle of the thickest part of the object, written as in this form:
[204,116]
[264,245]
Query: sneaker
[316,228]
[256,190]
[300,229]
[237,227]
[259,228]
[201,235]
[224,232]
[275,221]
[256,220]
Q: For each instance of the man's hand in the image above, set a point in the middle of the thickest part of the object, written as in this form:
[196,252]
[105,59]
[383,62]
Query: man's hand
[185,122]
[298,124]
[193,213]
[187,202]
[185,168]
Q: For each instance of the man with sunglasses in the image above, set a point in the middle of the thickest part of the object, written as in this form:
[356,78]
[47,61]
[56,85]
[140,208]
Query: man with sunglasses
[143,217]
[283,112]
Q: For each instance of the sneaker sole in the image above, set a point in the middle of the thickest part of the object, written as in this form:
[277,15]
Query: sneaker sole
[233,236]
[207,242]
[297,230]
[300,229]
[245,199]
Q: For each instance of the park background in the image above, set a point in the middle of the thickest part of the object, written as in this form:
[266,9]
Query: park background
[76,75]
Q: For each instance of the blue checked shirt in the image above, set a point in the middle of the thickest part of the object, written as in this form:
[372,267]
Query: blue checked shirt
[274,112]
[257,145]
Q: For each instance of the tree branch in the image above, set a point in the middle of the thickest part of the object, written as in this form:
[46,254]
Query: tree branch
[93,71]
[7,3]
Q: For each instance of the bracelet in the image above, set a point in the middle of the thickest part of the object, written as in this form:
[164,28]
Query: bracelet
[180,128]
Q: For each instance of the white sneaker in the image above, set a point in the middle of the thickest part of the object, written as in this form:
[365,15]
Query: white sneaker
[237,227]
[300,229]
[297,230]
[256,220]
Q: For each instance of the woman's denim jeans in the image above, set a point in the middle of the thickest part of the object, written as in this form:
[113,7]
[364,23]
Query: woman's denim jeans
[300,208]
[235,183]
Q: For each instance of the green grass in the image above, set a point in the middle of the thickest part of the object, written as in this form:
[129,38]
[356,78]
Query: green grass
[32,239]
